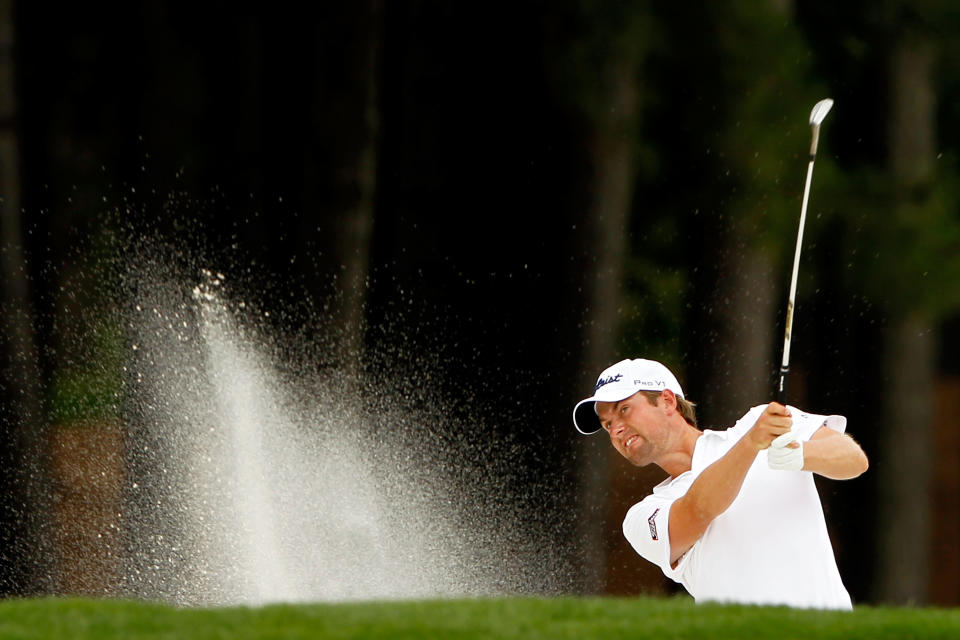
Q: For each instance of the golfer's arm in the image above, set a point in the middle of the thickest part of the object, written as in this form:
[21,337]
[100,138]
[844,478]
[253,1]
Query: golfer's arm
[710,494]
[834,455]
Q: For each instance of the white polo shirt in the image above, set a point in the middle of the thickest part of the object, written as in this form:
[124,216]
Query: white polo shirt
[769,547]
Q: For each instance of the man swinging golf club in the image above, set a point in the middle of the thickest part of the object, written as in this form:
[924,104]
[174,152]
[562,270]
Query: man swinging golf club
[739,519]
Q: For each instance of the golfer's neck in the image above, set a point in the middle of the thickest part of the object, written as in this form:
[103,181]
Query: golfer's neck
[680,458]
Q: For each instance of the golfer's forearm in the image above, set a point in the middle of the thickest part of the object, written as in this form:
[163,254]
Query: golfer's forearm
[838,457]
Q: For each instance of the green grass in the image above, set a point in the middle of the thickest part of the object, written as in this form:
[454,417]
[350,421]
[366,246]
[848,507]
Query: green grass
[463,619]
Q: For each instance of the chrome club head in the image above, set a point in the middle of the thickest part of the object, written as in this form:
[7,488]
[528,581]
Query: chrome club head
[820,111]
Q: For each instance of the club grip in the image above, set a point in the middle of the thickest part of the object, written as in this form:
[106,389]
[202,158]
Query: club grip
[781,392]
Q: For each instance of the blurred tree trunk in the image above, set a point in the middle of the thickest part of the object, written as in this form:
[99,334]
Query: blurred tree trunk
[744,303]
[19,420]
[945,581]
[910,350]
[356,224]
[741,363]
[354,128]
[606,225]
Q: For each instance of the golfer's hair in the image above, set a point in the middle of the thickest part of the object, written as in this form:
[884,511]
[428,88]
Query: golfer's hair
[687,408]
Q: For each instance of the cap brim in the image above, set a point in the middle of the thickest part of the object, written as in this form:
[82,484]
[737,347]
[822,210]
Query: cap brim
[585,417]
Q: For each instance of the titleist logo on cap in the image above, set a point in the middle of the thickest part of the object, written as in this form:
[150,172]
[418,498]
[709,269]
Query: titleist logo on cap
[608,380]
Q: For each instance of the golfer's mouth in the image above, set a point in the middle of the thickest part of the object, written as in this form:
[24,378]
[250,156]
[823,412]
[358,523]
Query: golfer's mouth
[629,441]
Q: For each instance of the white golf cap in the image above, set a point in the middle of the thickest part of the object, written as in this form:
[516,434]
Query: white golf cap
[620,381]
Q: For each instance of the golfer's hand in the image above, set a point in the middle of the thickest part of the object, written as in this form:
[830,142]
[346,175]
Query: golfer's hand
[772,423]
[785,453]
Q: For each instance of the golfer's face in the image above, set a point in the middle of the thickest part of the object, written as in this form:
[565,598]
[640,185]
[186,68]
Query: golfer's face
[634,426]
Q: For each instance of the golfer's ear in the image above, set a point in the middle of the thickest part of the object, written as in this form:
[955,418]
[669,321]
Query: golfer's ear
[669,400]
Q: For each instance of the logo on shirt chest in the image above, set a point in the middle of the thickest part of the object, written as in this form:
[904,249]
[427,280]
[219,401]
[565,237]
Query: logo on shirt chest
[653,524]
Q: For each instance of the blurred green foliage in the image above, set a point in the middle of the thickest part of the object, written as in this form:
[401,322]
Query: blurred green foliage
[86,385]
[903,252]
[723,144]
[88,391]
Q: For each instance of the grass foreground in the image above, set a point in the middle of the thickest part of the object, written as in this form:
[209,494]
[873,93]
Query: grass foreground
[463,619]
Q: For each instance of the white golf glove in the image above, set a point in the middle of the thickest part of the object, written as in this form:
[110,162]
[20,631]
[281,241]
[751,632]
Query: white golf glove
[783,458]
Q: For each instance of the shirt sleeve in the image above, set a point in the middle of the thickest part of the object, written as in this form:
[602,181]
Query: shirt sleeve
[647,525]
[806,424]
[646,528]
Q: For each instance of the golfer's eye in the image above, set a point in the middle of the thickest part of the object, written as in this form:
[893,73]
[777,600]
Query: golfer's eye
[624,409]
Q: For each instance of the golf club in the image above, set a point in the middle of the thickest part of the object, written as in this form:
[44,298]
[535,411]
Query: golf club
[817,115]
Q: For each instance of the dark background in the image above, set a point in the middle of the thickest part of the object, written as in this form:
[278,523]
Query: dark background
[540,189]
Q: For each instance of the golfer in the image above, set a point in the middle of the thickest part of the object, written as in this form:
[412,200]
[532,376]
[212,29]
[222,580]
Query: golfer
[739,518]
